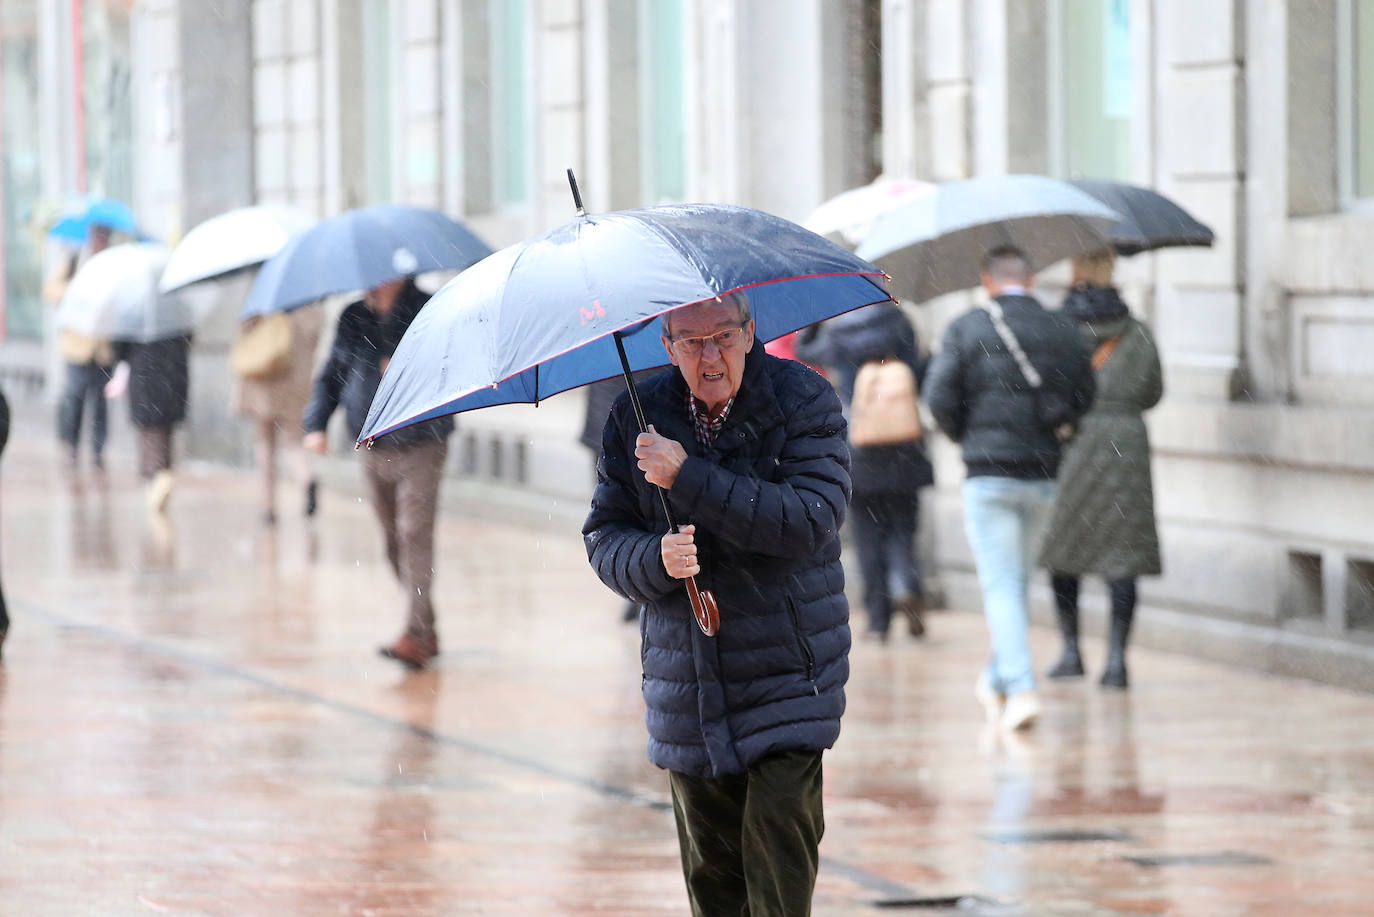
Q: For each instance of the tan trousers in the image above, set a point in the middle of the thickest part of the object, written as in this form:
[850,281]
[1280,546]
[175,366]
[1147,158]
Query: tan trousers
[403,485]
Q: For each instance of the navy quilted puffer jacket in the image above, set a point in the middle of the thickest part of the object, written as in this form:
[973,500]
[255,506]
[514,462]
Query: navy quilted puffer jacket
[768,500]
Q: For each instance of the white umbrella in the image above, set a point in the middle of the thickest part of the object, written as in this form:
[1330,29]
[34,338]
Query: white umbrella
[115,296]
[935,244]
[232,241]
[846,217]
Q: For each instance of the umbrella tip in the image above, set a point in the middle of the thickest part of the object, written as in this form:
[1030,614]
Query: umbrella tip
[577,195]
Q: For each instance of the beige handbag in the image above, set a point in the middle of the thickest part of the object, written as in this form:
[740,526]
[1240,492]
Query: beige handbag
[884,410]
[263,348]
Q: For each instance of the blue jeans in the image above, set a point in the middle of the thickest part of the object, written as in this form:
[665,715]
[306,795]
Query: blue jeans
[85,382]
[1005,519]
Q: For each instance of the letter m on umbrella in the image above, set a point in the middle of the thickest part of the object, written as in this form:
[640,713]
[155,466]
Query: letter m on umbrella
[594,312]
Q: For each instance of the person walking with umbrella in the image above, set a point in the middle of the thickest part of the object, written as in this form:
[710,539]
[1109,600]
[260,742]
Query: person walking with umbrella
[402,471]
[750,451]
[156,376]
[89,359]
[1007,382]
[873,357]
[1104,518]
[273,357]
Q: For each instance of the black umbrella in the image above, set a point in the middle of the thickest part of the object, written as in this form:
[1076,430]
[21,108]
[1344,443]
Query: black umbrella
[1150,220]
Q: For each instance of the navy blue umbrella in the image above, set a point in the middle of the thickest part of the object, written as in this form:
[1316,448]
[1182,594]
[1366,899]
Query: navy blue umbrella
[552,313]
[359,250]
[1149,220]
[578,304]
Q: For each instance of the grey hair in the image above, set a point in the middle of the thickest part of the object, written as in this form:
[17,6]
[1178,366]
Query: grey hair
[738,297]
[1007,264]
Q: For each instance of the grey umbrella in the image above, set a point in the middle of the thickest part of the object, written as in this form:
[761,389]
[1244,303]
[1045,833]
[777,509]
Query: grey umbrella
[1149,220]
[115,296]
[935,244]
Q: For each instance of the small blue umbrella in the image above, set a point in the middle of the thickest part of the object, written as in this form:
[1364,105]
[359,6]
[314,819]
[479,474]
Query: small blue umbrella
[93,210]
[577,304]
[359,250]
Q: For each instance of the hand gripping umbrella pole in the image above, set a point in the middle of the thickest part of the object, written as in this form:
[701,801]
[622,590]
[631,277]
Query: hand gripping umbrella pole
[704,607]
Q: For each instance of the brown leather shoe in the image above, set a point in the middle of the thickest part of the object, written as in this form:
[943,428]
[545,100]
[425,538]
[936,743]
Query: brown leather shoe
[411,651]
[911,606]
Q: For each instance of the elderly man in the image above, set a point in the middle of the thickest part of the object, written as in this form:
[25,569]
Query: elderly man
[751,452]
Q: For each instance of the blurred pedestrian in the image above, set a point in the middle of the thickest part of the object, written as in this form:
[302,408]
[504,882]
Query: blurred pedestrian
[600,396]
[873,356]
[1009,383]
[1104,513]
[90,360]
[4,438]
[751,451]
[156,376]
[402,470]
[274,378]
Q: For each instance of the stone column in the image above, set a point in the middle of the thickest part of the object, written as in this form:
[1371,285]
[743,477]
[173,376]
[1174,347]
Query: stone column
[1200,68]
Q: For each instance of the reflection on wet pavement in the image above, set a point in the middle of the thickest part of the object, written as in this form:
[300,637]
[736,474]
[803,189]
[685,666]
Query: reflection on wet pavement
[193,720]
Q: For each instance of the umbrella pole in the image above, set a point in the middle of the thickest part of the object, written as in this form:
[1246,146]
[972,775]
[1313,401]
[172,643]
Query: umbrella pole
[703,602]
[639,415]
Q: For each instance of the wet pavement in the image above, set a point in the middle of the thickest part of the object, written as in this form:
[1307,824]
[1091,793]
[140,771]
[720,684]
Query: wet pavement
[193,720]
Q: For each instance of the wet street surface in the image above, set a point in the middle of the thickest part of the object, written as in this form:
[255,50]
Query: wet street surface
[194,720]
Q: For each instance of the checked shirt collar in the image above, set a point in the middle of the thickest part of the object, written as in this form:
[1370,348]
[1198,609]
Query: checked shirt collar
[703,423]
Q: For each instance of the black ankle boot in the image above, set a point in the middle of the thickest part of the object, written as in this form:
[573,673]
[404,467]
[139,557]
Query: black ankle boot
[1070,664]
[1123,612]
[1115,674]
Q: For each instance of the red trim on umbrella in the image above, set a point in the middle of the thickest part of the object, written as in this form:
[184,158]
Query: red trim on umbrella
[412,418]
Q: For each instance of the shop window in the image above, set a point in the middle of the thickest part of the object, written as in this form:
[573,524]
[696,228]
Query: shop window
[1090,88]
[511,156]
[663,141]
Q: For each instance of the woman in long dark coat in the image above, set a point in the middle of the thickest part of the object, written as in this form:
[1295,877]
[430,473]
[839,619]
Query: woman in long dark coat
[1104,515]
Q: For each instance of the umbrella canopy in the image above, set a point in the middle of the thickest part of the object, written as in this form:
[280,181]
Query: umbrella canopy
[359,250]
[1149,220]
[544,315]
[846,217]
[115,296]
[75,226]
[232,241]
[935,244]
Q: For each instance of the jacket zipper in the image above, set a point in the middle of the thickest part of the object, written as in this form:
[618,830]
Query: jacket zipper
[805,647]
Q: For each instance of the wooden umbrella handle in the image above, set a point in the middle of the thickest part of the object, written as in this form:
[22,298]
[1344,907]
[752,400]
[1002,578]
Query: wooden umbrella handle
[704,607]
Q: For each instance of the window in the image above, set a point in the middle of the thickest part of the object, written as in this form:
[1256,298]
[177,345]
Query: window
[20,171]
[288,158]
[1090,88]
[510,103]
[107,111]
[379,86]
[663,142]
[1356,101]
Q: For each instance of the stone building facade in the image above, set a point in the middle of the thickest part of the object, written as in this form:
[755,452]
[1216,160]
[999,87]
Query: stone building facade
[1249,112]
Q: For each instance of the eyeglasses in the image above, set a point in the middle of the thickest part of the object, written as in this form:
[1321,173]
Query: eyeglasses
[725,340]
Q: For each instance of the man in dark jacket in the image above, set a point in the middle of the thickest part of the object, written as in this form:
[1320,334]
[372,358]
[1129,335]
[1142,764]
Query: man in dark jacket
[402,470]
[751,452]
[1009,412]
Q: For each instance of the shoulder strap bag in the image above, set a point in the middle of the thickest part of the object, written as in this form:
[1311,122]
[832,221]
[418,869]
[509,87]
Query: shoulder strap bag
[1063,431]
